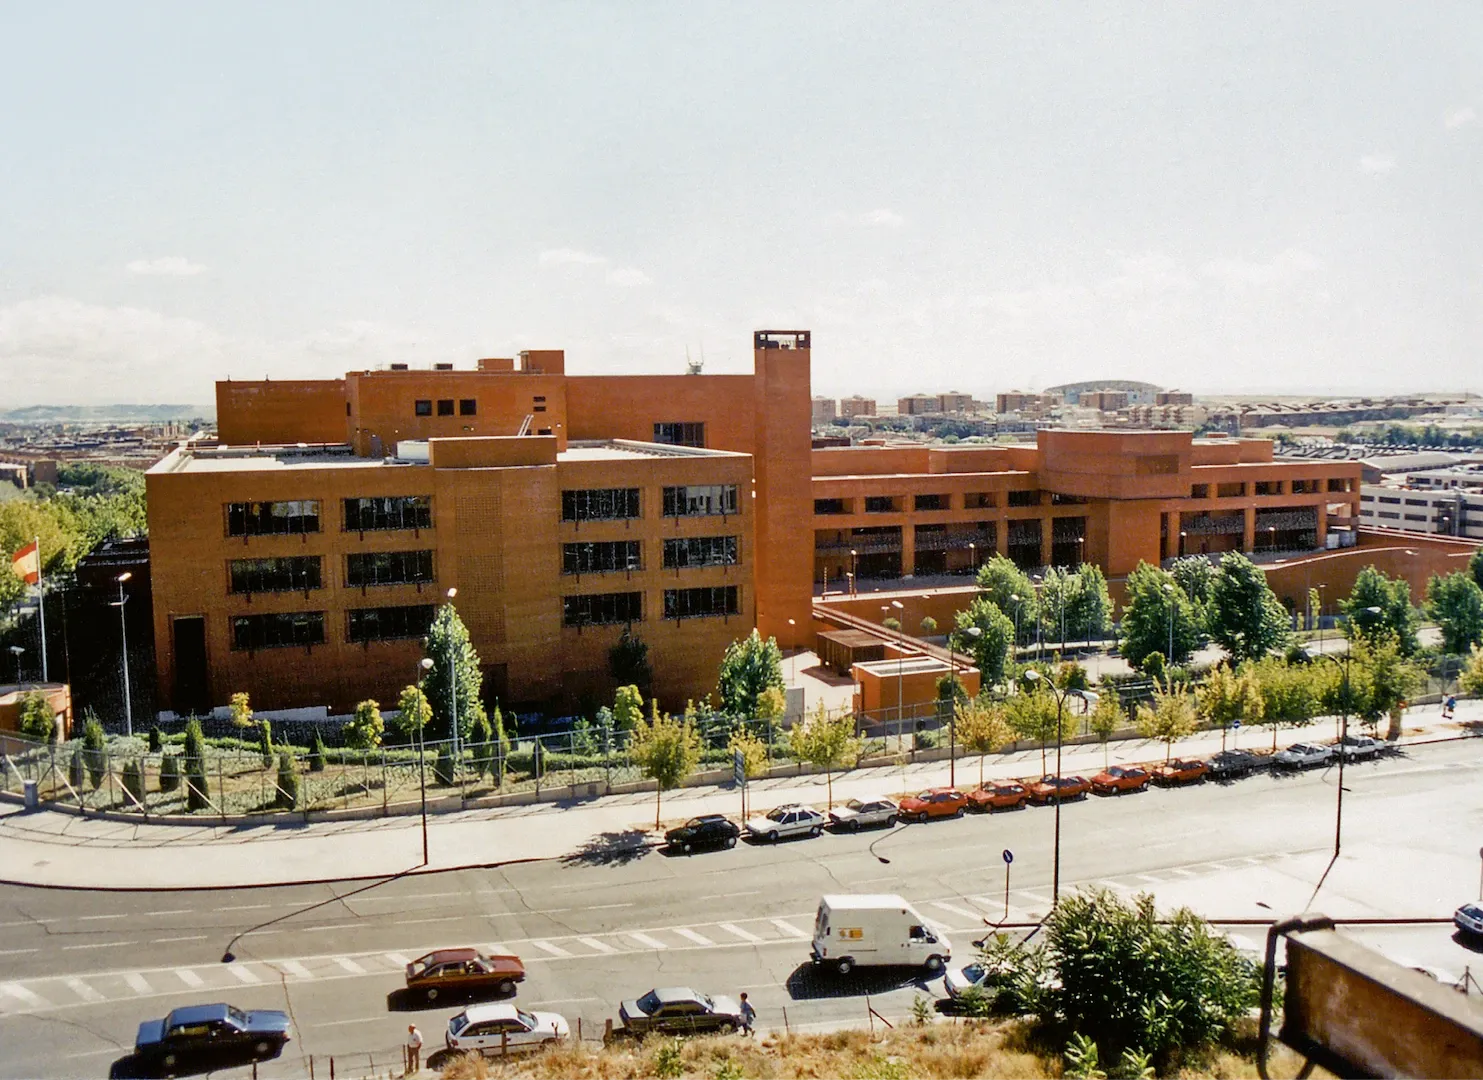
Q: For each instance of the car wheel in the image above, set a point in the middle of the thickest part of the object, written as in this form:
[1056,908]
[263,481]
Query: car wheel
[772,836]
[815,831]
[687,848]
[891,822]
[731,841]
[262,1048]
[168,1061]
[852,826]
[958,812]
[728,1029]
[507,987]
[431,993]
[844,965]
[933,965]
[922,818]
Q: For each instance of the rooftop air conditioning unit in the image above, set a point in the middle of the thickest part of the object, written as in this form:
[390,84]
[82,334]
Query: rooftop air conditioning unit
[398,367]
[442,367]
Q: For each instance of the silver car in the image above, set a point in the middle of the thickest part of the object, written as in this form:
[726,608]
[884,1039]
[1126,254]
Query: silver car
[792,819]
[1354,747]
[1302,755]
[959,980]
[1469,919]
[865,813]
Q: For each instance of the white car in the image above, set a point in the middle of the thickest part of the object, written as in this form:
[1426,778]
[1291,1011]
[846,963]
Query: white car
[792,819]
[960,979]
[1354,747]
[1302,755]
[1469,919]
[864,813]
[504,1029]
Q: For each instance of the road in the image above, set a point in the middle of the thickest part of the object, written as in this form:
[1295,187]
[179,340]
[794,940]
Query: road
[79,970]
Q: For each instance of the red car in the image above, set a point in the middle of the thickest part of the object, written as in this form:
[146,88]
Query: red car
[1000,795]
[1120,778]
[934,803]
[1059,789]
[1180,771]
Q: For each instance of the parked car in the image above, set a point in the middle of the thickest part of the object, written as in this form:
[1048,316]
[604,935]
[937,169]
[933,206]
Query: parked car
[791,819]
[1180,771]
[998,795]
[1059,789]
[446,972]
[960,979]
[1230,764]
[1117,779]
[1303,755]
[678,1010]
[1469,919]
[864,813]
[1356,747]
[708,830]
[198,1037]
[504,1029]
[934,803]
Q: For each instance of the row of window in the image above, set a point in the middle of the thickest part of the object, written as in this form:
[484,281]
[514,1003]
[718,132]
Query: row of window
[466,407]
[596,609]
[610,504]
[292,628]
[1235,489]
[893,504]
[303,515]
[608,556]
[302,573]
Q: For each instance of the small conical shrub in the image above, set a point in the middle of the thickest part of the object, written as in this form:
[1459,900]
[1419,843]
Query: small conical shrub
[156,740]
[196,797]
[94,756]
[265,742]
[74,769]
[443,767]
[316,752]
[133,779]
[169,772]
[288,782]
[195,741]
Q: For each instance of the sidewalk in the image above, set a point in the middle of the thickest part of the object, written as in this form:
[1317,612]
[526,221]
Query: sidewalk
[62,850]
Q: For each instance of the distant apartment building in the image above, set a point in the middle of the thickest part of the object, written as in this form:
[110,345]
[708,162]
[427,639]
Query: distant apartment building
[918,405]
[1173,397]
[1445,512]
[851,407]
[823,410]
[1018,401]
[1104,400]
[954,401]
[1168,417]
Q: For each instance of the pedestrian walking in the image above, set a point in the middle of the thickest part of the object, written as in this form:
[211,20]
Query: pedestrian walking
[1447,706]
[748,1014]
[414,1050]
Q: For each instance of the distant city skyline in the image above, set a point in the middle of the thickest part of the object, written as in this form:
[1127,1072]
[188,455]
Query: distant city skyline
[1264,198]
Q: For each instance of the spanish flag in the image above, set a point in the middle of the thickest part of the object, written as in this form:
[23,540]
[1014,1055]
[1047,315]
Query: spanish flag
[27,563]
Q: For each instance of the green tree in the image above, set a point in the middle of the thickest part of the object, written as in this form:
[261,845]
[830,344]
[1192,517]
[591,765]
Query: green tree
[666,750]
[169,772]
[37,721]
[481,740]
[1090,606]
[628,662]
[982,729]
[502,743]
[443,771]
[241,710]
[1032,715]
[413,712]
[1170,718]
[1470,679]
[1057,594]
[287,795]
[753,751]
[628,708]
[1456,603]
[1152,604]
[1244,617]
[316,752]
[1106,717]
[1010,589]
[1392,597]
[132,777]
[1315,609]
[195,741]
[265,742]
[76,770]
[1386,679]
[94,756]
[196,795]
[928,625]
[453,683]
[826,741]
[1195,575]
[1475,567]
[1291,694]
[990,646]
[1230,696]
[771,704]
[364,728]
[748,667]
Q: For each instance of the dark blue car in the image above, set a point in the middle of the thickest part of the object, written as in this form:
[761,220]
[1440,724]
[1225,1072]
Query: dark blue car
[201,1037]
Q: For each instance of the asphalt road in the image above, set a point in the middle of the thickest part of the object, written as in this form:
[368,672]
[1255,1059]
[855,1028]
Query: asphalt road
[79,970]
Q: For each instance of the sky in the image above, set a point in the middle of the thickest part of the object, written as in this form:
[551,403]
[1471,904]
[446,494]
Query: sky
[1262,197]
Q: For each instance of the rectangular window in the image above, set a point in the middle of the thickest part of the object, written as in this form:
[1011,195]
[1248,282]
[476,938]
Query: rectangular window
[391,512]
[601,609]
[272,518]
[604,557]
[1338,485]
[701,603]
[1367,498]
[1230,491]
[1418,502]
[1393,514]
[1415,517]
[297,573]
[879,504]
[389,568]
[599,504]
[931,502]
[1391,501]
[389,623]
[700,551]
[468,407]
[680,434]
[1199,491]
[1023,498]
[1268,487]
[700,500]
[277,631]
[979,500]
[830,506]
[445,406]
[423,407]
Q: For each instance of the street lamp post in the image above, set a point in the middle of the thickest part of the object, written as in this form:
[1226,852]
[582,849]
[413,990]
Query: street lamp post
[1018,603]
[426,665]
[1169,590]
[1271,538]
[1061,696]
[16,651]
[793,661]
[1322,585]
[901,669]
[854,571]
[1343,734]
[123,633]
[453,695]
[952,716]
[973,557]
[1182,534]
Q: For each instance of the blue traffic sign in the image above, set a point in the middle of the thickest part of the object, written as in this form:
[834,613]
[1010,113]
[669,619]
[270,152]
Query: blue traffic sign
[1008,856]
[1235,723]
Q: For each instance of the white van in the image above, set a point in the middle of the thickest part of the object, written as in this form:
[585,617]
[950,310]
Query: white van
[876,931]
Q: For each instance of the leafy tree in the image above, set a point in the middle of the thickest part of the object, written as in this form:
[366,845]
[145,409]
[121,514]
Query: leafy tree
[1057,592]
[75,770]
[1291,693]
[1456,603]
[891,623]
[316,752]
[1386,679]
[364,729]
[197,787]
[94,756]
[287,795]
[241,710]
[1315,608]
[1031,714]
[1010,589]
[1475,567]
[502,742]
[443,764]
[1229,696]
[748,667]
[826,741]
[413,712]
[771,704]
[1153,665]
[1152,599]
[990,646]
[1090,606]
[156,739]
[929,626]
[450,649]
[628,708]
[1244,617]
[753,751]
[1170,718]
[666,750]
[195,741]
[1470,679]
[1392,596]
[37,721]
[1195,575]
[628,662]
[265,742]
[982,729]
[481,738]
[1105,718]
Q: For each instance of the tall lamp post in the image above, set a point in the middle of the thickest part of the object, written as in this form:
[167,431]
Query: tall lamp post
[453,695]
[952,716]
[1169,589]
[854,571]
[1018,603]
[425,666]
[901,669]
[1343,747]
[123,635]
[17,651]
[1061,696]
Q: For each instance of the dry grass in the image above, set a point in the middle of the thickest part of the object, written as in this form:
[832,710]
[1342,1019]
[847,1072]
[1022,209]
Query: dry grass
[946,1050]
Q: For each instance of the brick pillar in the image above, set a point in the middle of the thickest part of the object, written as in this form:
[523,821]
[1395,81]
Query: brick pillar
[908,549]
[1001,535]
[1248,530]
[1047,537]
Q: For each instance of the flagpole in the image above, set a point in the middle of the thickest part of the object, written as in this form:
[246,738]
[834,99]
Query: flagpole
[41,590]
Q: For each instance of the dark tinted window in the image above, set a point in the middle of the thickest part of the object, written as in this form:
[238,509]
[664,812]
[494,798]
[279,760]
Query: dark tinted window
[701,603]
[597,609]
[388,568]
[700,551]
[423,408]
[273,518]
[294,574]
[680,433]
[467,406]
[278,631]
[389,512]
[445,406]
[389,623]
[597,504]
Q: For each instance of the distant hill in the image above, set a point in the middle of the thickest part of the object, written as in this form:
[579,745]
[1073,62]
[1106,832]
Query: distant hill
[125,414]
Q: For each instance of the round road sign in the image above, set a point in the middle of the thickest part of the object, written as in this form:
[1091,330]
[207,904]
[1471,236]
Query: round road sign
[1009,856]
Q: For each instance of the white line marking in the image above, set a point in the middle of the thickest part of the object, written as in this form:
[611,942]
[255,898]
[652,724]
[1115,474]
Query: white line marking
[20,993]
[691,935]
[730,895]
[96,918]
[342,1023]
[82,989]
[350,965]
[167,940]
[138,983]
[244,974]
[190,978]
[597,945]
[954,909]
[16,952]
[1034,898]
[789,929]
[1150,879]
[245,907]
[397,958]
[1182,872]
[646,940]
[554,950]
[599,907]
[297,970]
[732,928]
[418,922]
[98,945]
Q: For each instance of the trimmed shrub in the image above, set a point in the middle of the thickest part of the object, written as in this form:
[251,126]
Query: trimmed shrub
[196,789]
[288,782]
[443,767]
[156,740]
[94,755]
[133,779]
[265,741]
[169,772]
[316,753]
[37,720]
[195,741]
[363,730]
[75,769]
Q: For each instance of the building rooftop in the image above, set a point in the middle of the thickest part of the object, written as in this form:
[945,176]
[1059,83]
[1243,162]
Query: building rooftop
[617,449]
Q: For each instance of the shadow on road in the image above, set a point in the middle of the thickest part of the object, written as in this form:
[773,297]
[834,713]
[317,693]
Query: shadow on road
[611,849]
[404,1000]
[808,982]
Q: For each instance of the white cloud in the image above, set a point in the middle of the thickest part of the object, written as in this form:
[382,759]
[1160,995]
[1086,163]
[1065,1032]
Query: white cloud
[880,217]
[1284,267]
[629,277]
[1460,117]
[166,266]
[1376,164]
[570,257]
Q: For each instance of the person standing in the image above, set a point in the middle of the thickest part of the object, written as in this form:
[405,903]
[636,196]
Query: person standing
[414,1050]
[748,1014]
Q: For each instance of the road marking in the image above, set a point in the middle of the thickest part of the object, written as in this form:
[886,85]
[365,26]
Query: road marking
[98,945]
[167,940]
[497,948]
[1182,872]
[244,974]
[597,945]
[1249,861]
[789,929]
[954,909]
[342,1023]
[419,922]
[601,907]
[190,978]
[16,952]
[731,895]
[1034,898]
[732,928]
[554,950]
[297,970]
[691,935]
[350,965]
[97,918]
[138,983]
[397,958]
[175,911]
[82,989]
[246,907]
[1151,879]
[646,940]
[20,993]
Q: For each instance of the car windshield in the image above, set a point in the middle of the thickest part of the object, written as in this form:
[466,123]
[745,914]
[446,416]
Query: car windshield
[694,823]
[236,1016]
[708,1002]
[648,1003]
[780,813]
[458,1023]
[1473,910]
[854,804]
[974,972]
[527,1019]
